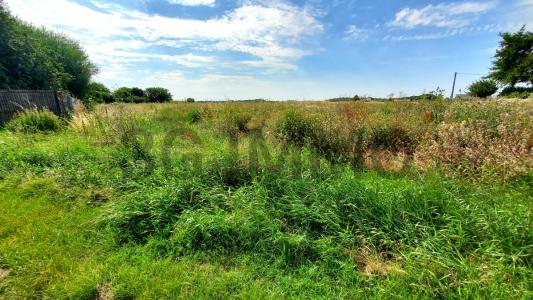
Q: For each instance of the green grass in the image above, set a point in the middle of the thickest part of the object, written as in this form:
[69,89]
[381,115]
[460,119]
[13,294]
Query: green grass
[94,212]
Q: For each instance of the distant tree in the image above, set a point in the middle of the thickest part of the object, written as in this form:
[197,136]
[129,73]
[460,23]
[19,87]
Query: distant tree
[135,91]
[190,100]
[514,59]
[356,98]
[98,93]
[122,94]
[158,95]
[483,88]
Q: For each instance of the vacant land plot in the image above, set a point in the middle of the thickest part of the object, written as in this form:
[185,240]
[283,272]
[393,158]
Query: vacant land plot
[270,200]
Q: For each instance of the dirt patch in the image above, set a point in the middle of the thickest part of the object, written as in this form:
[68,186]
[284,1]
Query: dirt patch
[4,273]
[103,292]
[372,264]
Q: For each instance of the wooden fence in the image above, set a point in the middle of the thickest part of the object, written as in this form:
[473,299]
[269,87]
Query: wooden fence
[12,102]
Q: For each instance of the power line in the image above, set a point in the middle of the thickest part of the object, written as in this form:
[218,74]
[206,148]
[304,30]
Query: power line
[473,74]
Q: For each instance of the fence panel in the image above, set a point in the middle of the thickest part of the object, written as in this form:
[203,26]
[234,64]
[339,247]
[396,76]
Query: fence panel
[13,101]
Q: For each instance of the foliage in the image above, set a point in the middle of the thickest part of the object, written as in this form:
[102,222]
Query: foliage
[514,60]
[190,100]
[137,95]
[31,121]
[34,58]
[516,92]
[483,88]
[98,93]
[393,138]
[158,95]
[137,92]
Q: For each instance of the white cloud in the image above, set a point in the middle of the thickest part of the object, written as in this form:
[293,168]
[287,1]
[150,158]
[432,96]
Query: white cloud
[352,32]
[193,2]
[444,15]
[271,31]
[422,37]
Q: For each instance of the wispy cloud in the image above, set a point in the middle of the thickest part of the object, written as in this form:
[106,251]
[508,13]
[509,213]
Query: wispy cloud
[272,32]
[444,15]
[355,33]
[193,2]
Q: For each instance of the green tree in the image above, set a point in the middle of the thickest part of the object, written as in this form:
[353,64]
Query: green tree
[35,58]
[514,59]
[99,93]
[157,94]
[483,88]
[135,91]
[122,94]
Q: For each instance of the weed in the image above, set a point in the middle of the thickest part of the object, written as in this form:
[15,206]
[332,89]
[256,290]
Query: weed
[32,121]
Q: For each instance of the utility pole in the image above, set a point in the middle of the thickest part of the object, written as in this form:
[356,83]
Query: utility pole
[453,86]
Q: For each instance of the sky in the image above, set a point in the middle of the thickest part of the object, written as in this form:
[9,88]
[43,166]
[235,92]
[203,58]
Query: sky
[284,49]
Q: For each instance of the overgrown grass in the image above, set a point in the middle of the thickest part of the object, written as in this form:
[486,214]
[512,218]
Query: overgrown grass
[35,121]
[267,200]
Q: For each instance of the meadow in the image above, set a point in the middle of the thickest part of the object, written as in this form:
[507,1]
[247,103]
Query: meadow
[269,200]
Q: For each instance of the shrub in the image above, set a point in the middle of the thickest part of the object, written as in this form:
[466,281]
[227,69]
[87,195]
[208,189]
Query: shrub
[297,128]
[190,100]
[193,116]
[234,122]
[326,135]
[394,138]
[35,121]
[483,88]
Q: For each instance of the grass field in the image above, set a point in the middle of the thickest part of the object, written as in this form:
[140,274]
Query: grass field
[271,200]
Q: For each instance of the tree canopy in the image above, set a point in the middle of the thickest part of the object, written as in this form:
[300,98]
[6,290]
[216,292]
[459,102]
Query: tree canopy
[514,60]
[36,58]
[137,95]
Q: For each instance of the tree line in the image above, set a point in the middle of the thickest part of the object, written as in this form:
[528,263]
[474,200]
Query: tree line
[99,93]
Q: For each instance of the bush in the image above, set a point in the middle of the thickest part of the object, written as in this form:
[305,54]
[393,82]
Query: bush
[35,121]
[158,95]
[234,122]
[297,128]
[483,88]
[394,138]
[323,134]
[193,116]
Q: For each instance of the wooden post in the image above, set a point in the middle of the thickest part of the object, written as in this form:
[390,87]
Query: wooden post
[453,86]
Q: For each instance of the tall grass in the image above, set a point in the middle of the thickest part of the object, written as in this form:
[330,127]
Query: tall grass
[271,200]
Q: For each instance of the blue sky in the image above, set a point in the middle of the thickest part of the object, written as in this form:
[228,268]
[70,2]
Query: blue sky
[283,49]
